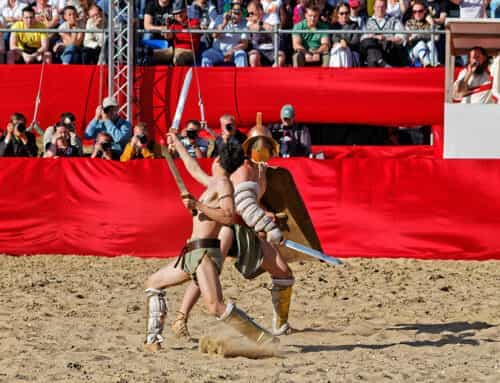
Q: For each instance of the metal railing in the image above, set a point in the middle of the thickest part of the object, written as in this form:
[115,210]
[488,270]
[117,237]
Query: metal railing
[277,32]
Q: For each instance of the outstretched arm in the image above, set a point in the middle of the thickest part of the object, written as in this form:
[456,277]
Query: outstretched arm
[191,164]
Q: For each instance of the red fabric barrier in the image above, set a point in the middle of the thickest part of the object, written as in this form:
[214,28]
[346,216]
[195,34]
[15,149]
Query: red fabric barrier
[367,207]
[396,96]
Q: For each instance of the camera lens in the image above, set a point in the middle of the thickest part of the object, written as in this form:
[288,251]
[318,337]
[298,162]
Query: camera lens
[229,127]
[21,128]
[191,134]
[143,139]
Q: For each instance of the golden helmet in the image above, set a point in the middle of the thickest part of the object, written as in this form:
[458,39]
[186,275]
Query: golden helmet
[260,132]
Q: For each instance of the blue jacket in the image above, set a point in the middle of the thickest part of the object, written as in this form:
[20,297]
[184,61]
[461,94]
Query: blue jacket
[120,130]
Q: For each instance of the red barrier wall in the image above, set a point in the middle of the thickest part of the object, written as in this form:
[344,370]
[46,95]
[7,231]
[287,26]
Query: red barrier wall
[366,207]
[396,96]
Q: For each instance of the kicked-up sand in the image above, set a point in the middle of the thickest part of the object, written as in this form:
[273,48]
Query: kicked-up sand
[82,319]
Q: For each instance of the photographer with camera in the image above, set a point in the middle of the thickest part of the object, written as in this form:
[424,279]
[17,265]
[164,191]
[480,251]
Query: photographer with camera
[294,138]
[102,147]
[68,119]
[196,146]
[140,145]
[108,120]
[60,146]
[230,44]
[229,133]
[16,140]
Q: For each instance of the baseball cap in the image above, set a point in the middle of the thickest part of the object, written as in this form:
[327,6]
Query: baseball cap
[287,111]
[178,7]
[109,101]
[354,3]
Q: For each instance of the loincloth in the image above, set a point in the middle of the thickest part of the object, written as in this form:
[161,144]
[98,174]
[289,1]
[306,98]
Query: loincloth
[193,253]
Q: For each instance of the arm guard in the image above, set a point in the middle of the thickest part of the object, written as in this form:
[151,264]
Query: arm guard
[245,199]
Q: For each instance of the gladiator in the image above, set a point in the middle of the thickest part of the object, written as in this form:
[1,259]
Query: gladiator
[201,258]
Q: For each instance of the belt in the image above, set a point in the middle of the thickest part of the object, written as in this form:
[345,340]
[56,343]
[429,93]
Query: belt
[209,243]
[203,243]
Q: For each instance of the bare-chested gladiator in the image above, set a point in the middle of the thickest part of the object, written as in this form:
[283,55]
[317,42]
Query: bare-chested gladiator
[201,258]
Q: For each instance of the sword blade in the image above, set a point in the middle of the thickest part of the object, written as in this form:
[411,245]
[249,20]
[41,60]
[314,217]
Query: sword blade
[311,252]
[182,100]
[175,173]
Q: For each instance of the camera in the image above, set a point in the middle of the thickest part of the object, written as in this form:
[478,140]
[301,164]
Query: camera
[106,145]
[143,139]
[169,19]
[191,134]
[229,127]
[21,128]
[227,16]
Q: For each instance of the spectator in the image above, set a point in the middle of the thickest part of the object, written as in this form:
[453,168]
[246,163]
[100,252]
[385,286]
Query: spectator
[93,43]
[157,18]
[286,22]
[28,46]
[474,82]
[397,8]
[69,49]
[12,11]
[141,145]
[229,133]
[103,146]
[181,53]
[108,120]
[229,46]
[207,14]
[299,11]
[262,53]
[60,145]
[271,11]
[471,9]
[345,46]
[46,14]
[17,141]
[422,46]
[196,146]
[356,15]
[293,138]
[68,120]
[203,11]
[310,48]
[381,50]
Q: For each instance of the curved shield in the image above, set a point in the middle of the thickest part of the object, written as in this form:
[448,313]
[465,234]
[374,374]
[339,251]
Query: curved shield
[283,198]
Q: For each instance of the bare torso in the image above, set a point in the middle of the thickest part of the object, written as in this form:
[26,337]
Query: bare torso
[204,227]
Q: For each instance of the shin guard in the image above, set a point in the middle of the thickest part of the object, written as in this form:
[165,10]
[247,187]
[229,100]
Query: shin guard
[245,325]
[281,294]
[157,310]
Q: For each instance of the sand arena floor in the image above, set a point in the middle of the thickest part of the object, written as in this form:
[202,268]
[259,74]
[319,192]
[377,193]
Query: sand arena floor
[82,319]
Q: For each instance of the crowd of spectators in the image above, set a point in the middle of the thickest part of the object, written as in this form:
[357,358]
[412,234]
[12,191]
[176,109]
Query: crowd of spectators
[239,40]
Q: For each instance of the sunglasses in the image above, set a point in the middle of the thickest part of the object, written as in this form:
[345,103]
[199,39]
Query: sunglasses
[343,13]
[251,13]
[418,10]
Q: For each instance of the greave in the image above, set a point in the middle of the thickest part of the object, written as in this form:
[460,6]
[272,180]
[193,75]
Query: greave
[157,310]
[245,325]
[281,294]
